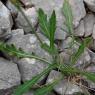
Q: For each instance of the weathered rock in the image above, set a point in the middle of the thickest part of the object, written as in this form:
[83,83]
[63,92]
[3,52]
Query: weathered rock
[30,44]
[84,60]
[89,22]
[12,8]
[79,31]
[5,21]
[78,11]
[63,87]
[9,74]
[90,4]
[31,15]
[60,34]
[93,33]
[30,67]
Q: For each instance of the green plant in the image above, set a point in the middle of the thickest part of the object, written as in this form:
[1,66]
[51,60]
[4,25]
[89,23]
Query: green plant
[48,28]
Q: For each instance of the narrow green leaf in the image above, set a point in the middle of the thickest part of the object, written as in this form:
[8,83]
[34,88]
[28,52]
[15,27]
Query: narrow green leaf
[42,17]
[13,51]
[81,49]
[68,15]
[89,75]
[52,28]
[27,85]
[46,89]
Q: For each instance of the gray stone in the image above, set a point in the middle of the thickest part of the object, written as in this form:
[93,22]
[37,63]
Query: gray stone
[12,8]
[92,55]
[60,34]
[30,44]
[5,21]
[89,22]
[31,15]
[90,4]
[84,60]
[30,67]
[78,11]
[63,87]
[93,33]
[9,74]
[79,31]
[91,68]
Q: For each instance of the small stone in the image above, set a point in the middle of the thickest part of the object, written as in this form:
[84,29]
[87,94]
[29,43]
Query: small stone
[63,87]
[92,55]
[91,68]
[12,8]
[6,22]
[78,11]
[60,34]
[30,68]
[90,4]
[79,31]
[93,33]
[84,60]
[31,15]
[9,74]
[89,22]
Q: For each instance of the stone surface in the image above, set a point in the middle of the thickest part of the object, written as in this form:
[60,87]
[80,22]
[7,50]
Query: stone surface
[89,22]
[60,34]
[5,21]
[9,74]
[93,33]
[90,4]
[29,43]
[79,31]
[12,8]
[31,15]
[63,88]
[92,55]
[30,67]
[78,11]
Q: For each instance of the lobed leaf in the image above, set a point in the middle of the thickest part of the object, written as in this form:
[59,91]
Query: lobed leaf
[42,17]
[68,15]
[52,28]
